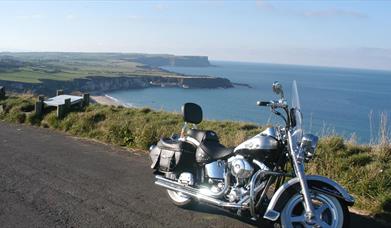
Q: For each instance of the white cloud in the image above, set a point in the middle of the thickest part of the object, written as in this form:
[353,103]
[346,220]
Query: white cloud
[334,12]
[70,17]
[264,5]
[31,17]
[328,12]
[133,17]
[160,7]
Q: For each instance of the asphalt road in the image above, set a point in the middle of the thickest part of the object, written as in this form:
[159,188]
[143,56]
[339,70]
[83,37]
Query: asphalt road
[50,179]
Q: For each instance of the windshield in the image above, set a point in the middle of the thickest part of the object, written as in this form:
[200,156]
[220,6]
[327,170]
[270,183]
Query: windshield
[297,130]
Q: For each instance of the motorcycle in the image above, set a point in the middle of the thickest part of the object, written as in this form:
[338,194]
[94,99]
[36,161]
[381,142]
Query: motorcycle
[263,177]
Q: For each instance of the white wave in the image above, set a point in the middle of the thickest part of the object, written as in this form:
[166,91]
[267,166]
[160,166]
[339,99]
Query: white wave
[112,98]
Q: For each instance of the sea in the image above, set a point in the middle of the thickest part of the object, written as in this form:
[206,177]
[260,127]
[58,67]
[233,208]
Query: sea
[344,101]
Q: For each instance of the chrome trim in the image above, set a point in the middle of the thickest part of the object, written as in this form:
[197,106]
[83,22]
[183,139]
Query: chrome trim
[215,169]
[241,168]
[308,145]
[277,89]
[255,191]
[192,140]
[260,165]
[270,131]
[193,192]
[299,170]
[209,193]
[273,215]
[252,192]
[259,142]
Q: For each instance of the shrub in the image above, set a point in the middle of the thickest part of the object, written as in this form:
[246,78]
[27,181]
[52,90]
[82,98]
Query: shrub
[33,119]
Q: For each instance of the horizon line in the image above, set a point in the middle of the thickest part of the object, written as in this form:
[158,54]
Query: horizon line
[209,59]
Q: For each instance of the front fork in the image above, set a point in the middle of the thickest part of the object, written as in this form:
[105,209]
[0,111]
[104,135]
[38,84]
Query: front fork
[299,170]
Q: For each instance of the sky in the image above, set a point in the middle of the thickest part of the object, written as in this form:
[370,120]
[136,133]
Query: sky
[326,33]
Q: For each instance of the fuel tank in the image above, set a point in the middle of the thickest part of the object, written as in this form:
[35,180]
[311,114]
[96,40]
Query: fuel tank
[263,147]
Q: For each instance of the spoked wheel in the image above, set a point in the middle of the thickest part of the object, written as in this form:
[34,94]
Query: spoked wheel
[329,213]
[180,199]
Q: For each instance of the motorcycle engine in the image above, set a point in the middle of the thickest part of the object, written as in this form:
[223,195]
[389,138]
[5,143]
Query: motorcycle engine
[240,167]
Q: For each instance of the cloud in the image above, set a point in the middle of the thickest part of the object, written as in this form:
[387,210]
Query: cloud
[329,12]
[264,5]
[70,17]
[32,16]
[133,17]
[160,7]
[333,12]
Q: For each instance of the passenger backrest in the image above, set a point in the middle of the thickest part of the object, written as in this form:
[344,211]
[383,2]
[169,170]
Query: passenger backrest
[192,113]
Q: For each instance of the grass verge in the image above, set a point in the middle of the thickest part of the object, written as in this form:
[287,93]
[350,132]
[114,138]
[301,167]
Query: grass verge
[365,170]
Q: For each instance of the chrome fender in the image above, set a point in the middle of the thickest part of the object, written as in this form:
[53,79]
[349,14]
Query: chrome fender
[315,183]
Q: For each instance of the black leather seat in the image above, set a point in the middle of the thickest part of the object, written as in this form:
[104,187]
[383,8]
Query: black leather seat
[201,135]
[175,145]
[215,150]
[209,142]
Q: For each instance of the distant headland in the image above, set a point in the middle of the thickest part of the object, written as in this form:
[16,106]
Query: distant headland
[44,72]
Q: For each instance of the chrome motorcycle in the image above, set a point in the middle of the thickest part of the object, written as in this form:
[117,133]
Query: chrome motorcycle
[263,177]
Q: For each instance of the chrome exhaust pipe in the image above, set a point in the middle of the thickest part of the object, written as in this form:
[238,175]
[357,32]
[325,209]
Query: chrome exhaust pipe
[193,192]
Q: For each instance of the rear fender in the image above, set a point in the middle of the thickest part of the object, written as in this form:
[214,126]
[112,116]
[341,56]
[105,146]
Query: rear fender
[316,183]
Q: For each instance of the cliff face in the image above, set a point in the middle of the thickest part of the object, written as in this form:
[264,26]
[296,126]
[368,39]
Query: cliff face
[100,84]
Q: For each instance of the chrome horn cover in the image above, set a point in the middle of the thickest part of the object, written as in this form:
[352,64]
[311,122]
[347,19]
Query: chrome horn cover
[308,145]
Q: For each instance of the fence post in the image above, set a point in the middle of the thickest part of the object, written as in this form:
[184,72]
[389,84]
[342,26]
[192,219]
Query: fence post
[39,105]
[2,92]
[60,92]
[67,103]
[60,111]
[86,99]
[63,109]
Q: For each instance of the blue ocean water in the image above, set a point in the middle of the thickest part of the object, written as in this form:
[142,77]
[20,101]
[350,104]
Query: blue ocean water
[333,100]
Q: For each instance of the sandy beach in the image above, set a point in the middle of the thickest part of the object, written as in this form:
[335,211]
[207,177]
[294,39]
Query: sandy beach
[105,100]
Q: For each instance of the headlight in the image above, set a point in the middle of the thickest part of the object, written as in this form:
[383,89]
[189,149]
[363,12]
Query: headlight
[308,145]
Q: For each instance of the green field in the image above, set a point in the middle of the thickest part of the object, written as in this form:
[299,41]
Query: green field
[32,67]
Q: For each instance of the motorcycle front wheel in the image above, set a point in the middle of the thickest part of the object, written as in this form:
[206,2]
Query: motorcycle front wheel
[180,199]
[329,212]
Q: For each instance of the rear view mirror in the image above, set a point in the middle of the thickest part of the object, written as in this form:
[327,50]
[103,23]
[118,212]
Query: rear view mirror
[277,89]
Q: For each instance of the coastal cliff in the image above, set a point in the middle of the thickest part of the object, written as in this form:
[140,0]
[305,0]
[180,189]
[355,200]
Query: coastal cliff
[45,72]
[101,84]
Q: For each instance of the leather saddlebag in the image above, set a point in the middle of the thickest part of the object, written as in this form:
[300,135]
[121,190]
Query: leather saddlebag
[169,154]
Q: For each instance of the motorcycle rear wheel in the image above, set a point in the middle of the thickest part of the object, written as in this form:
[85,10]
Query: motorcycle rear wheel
[180,199]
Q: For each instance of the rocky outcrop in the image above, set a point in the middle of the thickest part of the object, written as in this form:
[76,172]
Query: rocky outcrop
[100,84]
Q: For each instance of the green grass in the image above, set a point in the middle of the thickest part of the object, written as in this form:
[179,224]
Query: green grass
[68,66]
[365,170]
[34,77]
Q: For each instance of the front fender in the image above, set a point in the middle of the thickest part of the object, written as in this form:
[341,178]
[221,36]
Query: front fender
[317,183]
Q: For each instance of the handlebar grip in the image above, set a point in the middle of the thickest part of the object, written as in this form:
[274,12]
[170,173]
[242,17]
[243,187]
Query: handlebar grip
[263,103]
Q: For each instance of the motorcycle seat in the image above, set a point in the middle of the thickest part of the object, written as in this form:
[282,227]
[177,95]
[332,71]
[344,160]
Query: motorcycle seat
[209,142]
[201,135]
[215,150]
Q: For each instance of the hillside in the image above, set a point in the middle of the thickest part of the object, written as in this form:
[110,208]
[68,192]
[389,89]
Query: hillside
[40,72]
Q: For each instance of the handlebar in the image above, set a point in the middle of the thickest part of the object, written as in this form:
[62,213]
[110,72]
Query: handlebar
[272,104]
[275,105]
[263,103]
